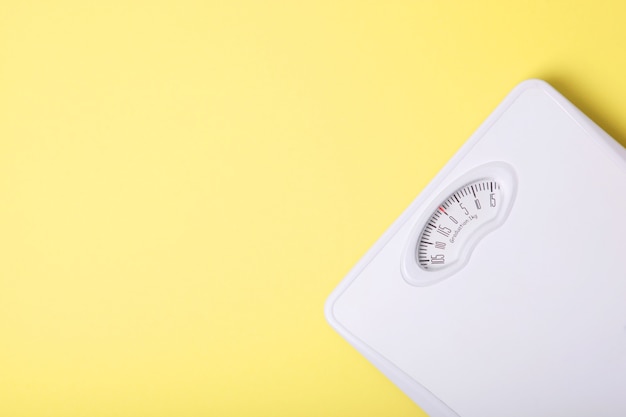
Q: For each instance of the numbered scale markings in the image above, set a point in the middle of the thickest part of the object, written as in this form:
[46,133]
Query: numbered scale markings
[451,226]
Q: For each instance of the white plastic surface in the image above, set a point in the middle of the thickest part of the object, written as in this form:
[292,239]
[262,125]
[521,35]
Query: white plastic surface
[534,324]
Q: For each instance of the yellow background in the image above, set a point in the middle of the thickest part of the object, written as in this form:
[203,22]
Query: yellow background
[182,184]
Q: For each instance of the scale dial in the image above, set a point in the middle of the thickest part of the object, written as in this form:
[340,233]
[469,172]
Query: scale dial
[458,218]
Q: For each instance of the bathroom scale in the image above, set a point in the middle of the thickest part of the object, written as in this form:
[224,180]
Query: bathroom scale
[501,290]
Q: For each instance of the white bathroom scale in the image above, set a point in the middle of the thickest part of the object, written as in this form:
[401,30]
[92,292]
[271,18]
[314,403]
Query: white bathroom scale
[501,290]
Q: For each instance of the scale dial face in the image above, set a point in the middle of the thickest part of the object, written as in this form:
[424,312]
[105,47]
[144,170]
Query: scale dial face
[456,220]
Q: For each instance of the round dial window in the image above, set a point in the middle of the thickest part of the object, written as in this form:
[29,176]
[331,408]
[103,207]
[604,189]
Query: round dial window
[449,228]
[457,219]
